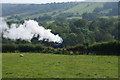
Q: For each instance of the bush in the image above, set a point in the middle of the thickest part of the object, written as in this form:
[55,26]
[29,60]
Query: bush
[9,47]
[105,48]
[25,48]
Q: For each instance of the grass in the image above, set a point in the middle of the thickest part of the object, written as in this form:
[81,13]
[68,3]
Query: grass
[109,17]
[34,65]
[74,18]
[0,65]
[50,22]
[85,7]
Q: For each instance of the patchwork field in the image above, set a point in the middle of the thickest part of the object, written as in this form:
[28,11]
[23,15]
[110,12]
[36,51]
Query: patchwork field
[35,65]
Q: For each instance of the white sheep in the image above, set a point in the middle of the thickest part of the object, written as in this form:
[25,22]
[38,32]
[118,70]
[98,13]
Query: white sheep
[21,55]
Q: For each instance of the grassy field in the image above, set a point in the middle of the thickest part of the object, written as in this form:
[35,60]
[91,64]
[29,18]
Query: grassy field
[59,66]
[85,7]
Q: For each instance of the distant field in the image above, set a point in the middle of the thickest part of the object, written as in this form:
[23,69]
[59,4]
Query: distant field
[85,7]
[59,66]
[74,18]
[109,17]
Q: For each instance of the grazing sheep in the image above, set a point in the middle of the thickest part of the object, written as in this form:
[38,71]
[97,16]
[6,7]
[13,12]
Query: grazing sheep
[21,55]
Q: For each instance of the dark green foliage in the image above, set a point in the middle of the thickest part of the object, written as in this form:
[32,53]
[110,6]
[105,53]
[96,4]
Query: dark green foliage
[78,32]
[65,15]
[58,51]
[77,49]
[43,18]
[80,23]
[9,47]
[26,48]
[38,48]
[48,50]
[90,16]
[101,48]
[105,48]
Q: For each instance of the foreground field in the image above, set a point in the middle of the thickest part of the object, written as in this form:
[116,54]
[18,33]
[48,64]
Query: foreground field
[59,66]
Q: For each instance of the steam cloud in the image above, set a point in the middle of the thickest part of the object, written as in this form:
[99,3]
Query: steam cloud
[27,31]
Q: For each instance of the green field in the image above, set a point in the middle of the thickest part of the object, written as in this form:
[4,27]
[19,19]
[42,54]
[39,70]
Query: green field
[59,66]
[85,7]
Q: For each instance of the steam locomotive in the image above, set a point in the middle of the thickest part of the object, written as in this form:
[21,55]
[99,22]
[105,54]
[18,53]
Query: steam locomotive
[46,42]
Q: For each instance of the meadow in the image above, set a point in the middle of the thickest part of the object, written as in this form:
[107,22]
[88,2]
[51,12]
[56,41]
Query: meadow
[40,65]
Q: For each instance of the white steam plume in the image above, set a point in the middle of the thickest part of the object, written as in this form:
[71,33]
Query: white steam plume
[28,30]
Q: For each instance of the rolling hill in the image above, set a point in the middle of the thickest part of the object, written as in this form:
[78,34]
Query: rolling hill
[85,7]
[56,9]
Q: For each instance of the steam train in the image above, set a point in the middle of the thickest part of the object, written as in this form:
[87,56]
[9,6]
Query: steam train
[46,43]
[53,44]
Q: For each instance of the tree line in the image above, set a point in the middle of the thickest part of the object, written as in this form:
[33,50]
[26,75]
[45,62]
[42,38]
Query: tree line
[16,48]
[100,48]
[74,32]
[83,31]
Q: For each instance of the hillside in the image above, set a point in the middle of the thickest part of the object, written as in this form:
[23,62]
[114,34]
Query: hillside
[85,7]
[56,9]
[75,22]
[33,9]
